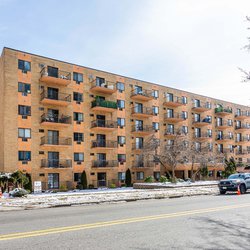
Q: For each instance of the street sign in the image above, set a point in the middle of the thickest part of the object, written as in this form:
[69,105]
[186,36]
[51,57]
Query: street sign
[37,187]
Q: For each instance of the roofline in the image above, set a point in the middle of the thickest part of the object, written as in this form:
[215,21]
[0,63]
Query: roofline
[131,78]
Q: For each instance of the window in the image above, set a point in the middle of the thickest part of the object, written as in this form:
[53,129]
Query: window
[170,97]
[140,175]
[170,113]
[184,99]
[210,146]
[208,105]
[121,158]
[230,122]
[24,155]
[121,176]
[155,110]
[24,133]
[209,133]
[197,103]
[197,132]
[77,177]
[100,81]
[53,181]
[121,122]
[121,140]
[78,117]
[24,66]
[78,97]
[79,157]
[24,110]
[230,148]
[197,118]
[121,104]
[198,146]
[230,135]
[185,130]
[78,77]
[156,125]
[120,86]
[170,129]
[155,94]
[157,175]
[24,87]
[138,142]
[78,137]
[184,114]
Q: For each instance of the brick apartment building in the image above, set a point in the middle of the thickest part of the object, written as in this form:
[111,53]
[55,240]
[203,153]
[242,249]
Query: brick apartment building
[58,119]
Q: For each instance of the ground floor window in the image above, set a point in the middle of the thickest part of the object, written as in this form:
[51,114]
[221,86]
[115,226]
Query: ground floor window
[157,176]
[121,176]
[140,175]
[77,177]
[53,181]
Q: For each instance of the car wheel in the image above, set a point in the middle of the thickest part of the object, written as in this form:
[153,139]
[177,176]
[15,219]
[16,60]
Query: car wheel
[222,192]
[242,189]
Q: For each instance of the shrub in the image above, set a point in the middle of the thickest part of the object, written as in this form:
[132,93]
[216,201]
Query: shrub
[18,192]
[112,185]
[163,179]
[91,186]
[63,188]
[84,180]
[149,179]
[123,185]
[79,186]
[128,178]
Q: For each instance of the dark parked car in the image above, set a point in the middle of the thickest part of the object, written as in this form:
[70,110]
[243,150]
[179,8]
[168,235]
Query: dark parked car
[235,182]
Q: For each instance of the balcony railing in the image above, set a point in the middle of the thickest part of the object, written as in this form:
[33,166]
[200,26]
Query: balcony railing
[142,164]
[56,96]
[103,144]
[142,110]
[175,100]
[175,115]
[145,128]
[225,151]
[223,110]
[202,135]
[242,126]
[104,104]
[55,119]
[104,164]
[67,141]
[105,85]
[103,124]
[202,105]
[223,124]
[205,120]
[56,163]
[143,92]
[242,139]
[242,152]
[224,137]
[137,145]
[55,73]
[242,113]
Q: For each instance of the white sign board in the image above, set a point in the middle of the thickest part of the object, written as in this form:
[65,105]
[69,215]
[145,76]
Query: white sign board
[37,187]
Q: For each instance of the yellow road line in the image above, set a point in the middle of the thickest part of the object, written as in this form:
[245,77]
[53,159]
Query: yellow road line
[116,222]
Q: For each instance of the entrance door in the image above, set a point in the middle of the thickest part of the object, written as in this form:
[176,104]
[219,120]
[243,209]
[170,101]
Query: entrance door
[53,159]
[53,93]
[101,179]
[53,137]
[53,181]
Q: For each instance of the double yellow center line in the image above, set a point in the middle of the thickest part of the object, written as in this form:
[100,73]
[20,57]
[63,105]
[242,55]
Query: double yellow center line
[56,230]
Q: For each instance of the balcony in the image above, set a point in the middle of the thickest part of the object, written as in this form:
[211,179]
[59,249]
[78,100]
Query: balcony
[104,164]
[103,106]
[170,134]
[174,117]
[103,144]
[142,130]
[242,115]
[53,141]
[56,163]
[224,138]
[242,127]
[54,120]
[58,99]
[223,111]
[141,95]
[103,126]
[174,102]
[242,139]
[103,88]
[202,122]
[223,125]
[142,112]
[225,151]
[202,136]
[52,75]
[201,106]
[142,164]
[242,152]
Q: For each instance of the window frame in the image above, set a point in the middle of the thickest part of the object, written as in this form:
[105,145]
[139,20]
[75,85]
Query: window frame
[24,129]
[76,79]
[26,155]
[24,107]
[77,157]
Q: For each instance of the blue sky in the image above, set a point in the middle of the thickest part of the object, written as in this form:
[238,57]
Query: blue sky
[188,44]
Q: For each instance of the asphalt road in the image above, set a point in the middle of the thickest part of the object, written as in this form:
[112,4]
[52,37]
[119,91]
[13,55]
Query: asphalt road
[205,222]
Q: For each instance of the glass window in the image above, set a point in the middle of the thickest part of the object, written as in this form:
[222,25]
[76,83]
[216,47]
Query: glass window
[155,93]
[185,130]
[121,158]
[184,99]
[78,137]
[184,114]
[155,110]
[121,122]
[140,175]
[121,140]
[78,77]
[156,125]
[209,133]
[79,157]
[24,155]
[78,117]
[53,181]
[24,65]
[24,87]
[121,176]
[157,175]
[24,133]
[24,110]
[77,177]
[78,97]
[230,122]
[121,104]
[120,86]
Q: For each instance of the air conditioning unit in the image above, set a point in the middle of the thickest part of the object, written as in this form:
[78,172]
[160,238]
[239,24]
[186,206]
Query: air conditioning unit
[78,142]
[24,117]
